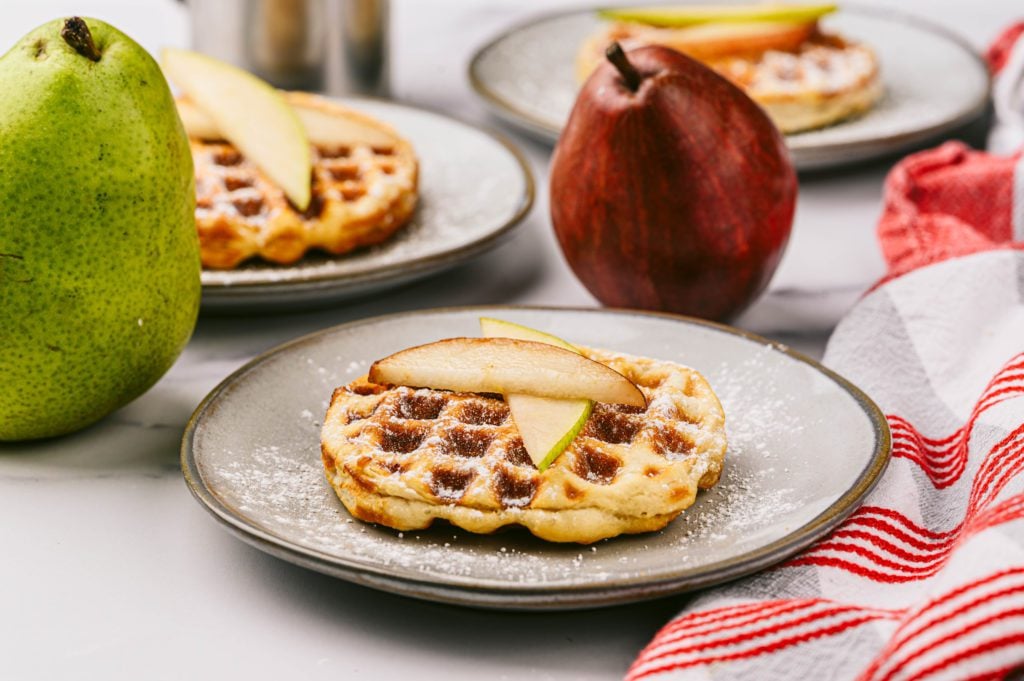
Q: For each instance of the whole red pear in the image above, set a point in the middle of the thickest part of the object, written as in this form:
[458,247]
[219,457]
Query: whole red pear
[670,188]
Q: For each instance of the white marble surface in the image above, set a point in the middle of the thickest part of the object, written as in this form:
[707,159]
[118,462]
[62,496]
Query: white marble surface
[109,569]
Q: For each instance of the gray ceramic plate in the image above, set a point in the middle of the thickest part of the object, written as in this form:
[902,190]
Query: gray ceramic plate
[805,446]
[934,83]
[474,188]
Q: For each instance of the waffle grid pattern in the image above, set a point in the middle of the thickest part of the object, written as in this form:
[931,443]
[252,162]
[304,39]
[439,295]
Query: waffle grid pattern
[361,195]
[402,457]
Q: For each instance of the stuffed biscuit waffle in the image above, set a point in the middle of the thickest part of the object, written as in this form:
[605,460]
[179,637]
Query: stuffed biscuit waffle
[803,77]
[403,457]
[364,188]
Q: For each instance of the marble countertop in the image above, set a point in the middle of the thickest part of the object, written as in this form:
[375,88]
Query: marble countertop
[110,570]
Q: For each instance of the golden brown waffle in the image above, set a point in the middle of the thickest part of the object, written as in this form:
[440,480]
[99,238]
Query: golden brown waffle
[402,457]
[362,192]
[821,80]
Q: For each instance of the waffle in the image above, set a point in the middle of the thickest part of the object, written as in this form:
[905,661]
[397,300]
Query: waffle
[821,80]
[401,457]
[363,191]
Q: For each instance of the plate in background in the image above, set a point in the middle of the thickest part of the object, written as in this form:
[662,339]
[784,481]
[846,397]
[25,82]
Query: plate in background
[251,456]
[474,188]
[526,77]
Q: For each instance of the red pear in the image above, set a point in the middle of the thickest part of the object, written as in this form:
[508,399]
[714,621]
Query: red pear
[670,188]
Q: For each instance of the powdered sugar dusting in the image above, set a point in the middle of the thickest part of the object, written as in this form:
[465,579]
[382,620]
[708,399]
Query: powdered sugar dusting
[286,492]
[290,496]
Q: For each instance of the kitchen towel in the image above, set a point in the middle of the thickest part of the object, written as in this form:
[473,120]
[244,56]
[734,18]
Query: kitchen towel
[926,579]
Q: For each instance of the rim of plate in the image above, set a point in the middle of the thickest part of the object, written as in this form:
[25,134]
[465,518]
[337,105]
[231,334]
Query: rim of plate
[323,279]
[507,595]
[512,112]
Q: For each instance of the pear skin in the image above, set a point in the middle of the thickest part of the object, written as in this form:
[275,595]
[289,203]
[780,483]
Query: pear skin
[669,16]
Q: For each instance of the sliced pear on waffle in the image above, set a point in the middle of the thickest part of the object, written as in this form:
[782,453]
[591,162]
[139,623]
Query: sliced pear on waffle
[547,425]
[670,16]
[323,128]
[506,366]
[251,115]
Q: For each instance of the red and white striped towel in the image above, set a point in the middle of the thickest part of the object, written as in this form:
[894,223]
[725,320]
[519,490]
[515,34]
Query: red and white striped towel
[926,579]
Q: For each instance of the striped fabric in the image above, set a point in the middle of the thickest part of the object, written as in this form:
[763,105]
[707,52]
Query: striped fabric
[926,580]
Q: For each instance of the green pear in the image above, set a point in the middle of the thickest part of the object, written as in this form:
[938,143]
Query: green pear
[99,257]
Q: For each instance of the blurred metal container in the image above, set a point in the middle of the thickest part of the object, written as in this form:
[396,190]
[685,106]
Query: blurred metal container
[333,46]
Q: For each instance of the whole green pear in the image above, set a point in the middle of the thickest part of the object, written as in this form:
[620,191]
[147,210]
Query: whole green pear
[99,257]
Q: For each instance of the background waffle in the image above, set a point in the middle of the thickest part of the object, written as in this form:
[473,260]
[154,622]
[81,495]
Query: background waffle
[821,80]
[402,457]
[362,192]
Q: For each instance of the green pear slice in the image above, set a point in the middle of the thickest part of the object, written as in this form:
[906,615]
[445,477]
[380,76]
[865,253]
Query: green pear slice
[322,128]
[506,366]
[546,425]
[690,15]
[251,115]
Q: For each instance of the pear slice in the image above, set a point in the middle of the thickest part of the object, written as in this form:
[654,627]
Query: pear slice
[546,425]
[325,129]
[499,328]
[197,124]
[709,41]
[251,115]
[506,366]
[689,15]
[322,128]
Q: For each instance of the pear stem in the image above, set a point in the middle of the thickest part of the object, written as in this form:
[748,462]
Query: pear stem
[630,75]
[76,34]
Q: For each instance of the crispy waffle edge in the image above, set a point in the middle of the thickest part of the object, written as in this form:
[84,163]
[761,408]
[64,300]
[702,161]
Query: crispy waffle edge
[255,221]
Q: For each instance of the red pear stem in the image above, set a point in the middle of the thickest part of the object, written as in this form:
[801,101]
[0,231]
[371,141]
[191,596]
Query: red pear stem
[76,34]
[618,58]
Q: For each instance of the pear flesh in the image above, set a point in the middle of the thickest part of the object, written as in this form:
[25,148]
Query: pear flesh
[708,41]
[197,124]
[325,129]
[547,425]
[99,256]
[322,129]
[505,366]
[692,15]
[250,114]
